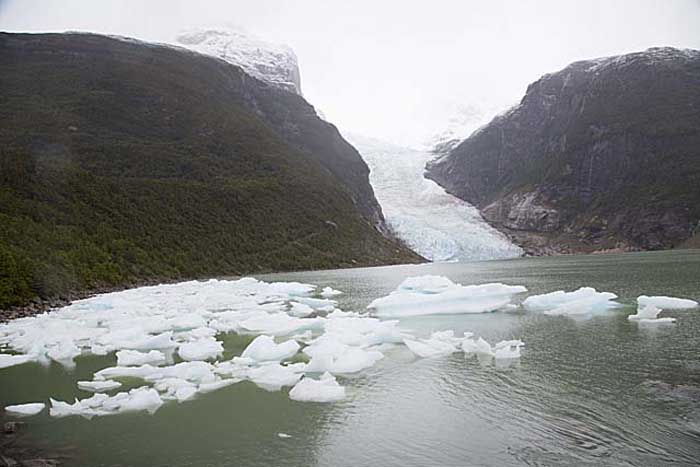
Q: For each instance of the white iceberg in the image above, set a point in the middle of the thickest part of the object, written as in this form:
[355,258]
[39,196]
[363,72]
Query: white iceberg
[325,389]
[503,350]
[583,301]
[439,344]
[329,292]
[427,295]
[98,386]
[202,349]
[136,358]
[7,361]
[25,410]
[273,376]
[667,303]
[648,309]
[265,349]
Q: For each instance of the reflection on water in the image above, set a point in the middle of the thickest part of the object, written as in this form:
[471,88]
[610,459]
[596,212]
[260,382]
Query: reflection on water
[600,391]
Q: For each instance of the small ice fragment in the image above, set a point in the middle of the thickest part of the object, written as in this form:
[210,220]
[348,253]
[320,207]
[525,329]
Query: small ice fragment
[125,372]
[583,301]
[140,399]
[136,358]
[325,389]
[264,349]
[425,295]
[202,349]
[25,410]
[205,388]
[284,435]
[185,393]
[329,292]
[98,386]
[7,361]
[273,376]
[439,344]
[300,310]
[667,303]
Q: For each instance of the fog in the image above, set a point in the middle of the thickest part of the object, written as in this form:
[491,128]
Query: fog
[397,70]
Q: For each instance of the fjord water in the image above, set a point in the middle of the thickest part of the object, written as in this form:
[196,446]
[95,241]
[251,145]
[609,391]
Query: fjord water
[588,391]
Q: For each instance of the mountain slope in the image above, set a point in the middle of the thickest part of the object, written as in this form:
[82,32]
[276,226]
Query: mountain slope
[122,161]
[602,154]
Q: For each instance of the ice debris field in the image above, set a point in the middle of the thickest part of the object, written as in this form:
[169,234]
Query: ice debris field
[169,336]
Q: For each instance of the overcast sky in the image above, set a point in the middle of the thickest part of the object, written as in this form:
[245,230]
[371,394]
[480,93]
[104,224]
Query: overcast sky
[397,70]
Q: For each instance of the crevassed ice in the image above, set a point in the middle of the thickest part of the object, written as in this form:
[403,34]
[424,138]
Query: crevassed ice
[583,301]
[435,224]
[167,336]
[426,295]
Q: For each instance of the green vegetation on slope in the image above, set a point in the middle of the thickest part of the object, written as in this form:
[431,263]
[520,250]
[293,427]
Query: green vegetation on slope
[121,162]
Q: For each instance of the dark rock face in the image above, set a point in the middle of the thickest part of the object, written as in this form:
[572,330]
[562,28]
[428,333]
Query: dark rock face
[123,162]
[603,154]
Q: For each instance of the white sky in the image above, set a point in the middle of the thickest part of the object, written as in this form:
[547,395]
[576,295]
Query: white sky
[397,70]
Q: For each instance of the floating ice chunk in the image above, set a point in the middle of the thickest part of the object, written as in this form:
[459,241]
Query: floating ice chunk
[503,350]
[328,355]
[205,388]
[141,399]
[648,308]
[585,300]
[7,361]
[185,393]
[196,372]
[426,295]
[667,303]
[279,324]
[64,352]
[300,310]
[646,312]
[264,349]
[478,346]
[319,304]
[136,358]
[98,386]
[25,410]
[202,349]
[325,389]
[283,435]
[506,350]
[140,372]
[136,400]
[439,344]
[329,292]
[157,342]
[273,376]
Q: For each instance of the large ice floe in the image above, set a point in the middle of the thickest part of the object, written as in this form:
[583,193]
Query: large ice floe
[427,295]
[648,308]
[583,301]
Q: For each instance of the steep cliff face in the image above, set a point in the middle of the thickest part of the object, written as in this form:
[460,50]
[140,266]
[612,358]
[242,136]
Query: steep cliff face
[123,162]
[602,154]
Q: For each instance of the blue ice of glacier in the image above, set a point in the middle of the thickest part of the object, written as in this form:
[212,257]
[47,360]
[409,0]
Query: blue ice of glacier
[430,221]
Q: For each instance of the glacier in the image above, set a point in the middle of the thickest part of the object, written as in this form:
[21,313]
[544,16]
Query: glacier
[433,223]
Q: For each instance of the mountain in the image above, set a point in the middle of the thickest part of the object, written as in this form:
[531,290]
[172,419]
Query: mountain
[274,63]
[604,154]
[123,162]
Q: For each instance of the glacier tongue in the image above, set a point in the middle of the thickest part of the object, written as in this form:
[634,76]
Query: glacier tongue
[433,223]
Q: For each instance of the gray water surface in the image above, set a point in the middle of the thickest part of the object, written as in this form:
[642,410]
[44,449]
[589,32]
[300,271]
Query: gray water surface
[595,391]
